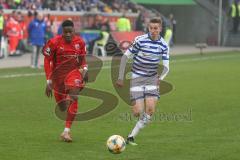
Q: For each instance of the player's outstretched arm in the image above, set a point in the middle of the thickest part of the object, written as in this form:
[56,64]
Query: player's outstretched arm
[122,67]
[48,70]
[133,49]
[48,90]
[165,67]
[84,72]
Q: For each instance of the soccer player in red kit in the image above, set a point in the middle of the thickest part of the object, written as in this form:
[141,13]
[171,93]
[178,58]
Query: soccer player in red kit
[66,72]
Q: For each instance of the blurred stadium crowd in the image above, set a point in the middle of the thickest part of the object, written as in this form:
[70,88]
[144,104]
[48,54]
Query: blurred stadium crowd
[108,6]
[25,25]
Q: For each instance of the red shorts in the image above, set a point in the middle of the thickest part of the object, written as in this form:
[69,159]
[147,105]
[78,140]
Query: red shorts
[72,81]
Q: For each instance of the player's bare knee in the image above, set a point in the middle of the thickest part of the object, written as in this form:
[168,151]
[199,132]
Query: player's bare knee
[136,112]
[62,106]
[150,111]
[73,93]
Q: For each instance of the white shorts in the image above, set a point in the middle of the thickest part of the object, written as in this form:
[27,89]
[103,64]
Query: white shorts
[142,87]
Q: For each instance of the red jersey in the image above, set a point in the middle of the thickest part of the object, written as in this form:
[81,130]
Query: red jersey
[13,28]
[62,57]
[24,33]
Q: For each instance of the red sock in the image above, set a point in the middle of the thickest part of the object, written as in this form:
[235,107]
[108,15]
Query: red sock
[72,110]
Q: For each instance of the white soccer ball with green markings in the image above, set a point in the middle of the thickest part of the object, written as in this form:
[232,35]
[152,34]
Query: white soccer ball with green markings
[116,144]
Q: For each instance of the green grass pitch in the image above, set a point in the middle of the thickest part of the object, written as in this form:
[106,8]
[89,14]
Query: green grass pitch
[198,120]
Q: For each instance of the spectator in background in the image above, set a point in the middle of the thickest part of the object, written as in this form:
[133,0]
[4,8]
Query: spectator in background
[100,43]
[235,15]
[173,24]
[59,30]
[13,32]
[123,24]
[107,9]
[37,31]
[4,4]
[49,29]
[11,5]
[49,33]
[121,5]
[22,44]
[17,3]
[140,22]
[168,35]
[55,25]
[105,23]
[72,5]
[1,25]
[99,22]
[47,20]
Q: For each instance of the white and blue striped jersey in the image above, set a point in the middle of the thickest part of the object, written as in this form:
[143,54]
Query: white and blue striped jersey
[147,55]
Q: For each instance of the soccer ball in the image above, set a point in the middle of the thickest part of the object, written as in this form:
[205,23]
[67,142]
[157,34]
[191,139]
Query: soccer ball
[116,144]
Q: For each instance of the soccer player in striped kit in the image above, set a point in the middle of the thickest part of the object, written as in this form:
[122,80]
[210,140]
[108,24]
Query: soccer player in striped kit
[147,51]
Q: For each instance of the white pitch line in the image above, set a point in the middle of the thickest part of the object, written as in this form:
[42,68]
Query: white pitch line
[107,66]
[21,75]
[204,58]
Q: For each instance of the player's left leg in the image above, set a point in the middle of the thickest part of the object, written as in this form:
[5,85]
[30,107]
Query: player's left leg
[137,110]
[73,106]
[150,105]
[151,96]
[72,103]
[144,119]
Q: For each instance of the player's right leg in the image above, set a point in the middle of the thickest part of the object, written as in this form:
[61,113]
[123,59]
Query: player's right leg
[73,106]
[150,103]
[38,51]
[33,57]
[137,99]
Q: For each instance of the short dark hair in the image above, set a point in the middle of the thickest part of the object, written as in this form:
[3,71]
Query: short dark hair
[156,20]
[67,23]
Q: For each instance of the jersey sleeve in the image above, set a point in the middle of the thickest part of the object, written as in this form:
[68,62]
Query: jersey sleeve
[165,59]
[83,62]
[134,48]
[48,52]
[165,55]
[49,49]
